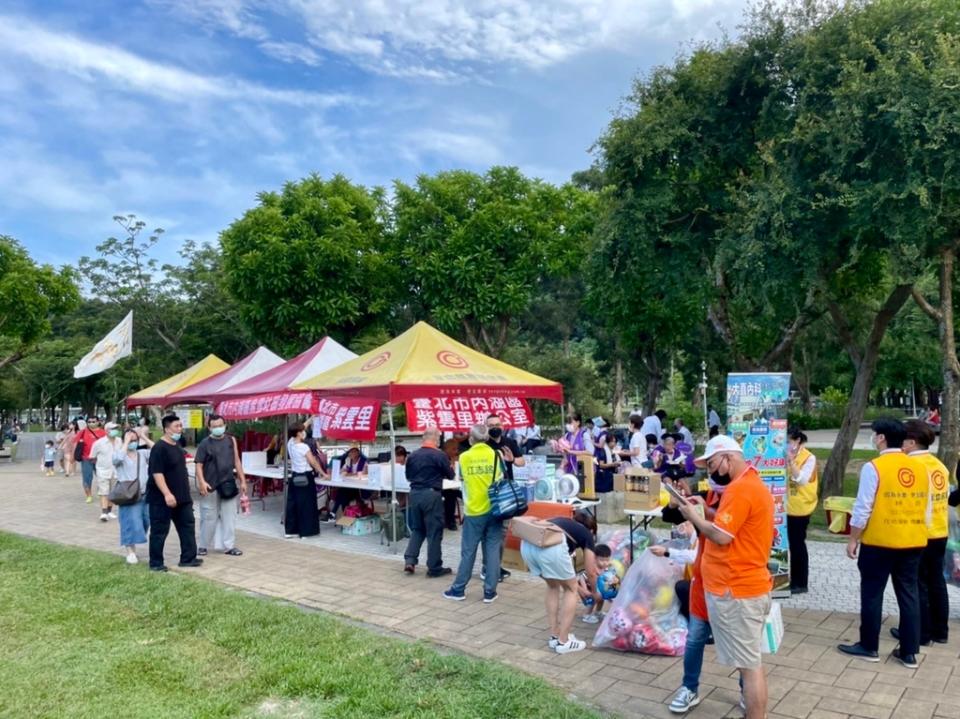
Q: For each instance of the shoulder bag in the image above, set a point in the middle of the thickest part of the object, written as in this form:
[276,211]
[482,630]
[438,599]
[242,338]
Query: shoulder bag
[128,491]
[228,488]
[507,500]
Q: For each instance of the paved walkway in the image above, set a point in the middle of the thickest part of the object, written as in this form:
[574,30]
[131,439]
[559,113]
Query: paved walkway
[808,679]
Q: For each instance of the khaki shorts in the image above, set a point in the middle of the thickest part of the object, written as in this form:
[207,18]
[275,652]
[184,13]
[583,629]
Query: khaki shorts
[738,628]
[103,486]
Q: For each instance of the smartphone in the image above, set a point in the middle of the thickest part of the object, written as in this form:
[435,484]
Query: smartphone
[675,493]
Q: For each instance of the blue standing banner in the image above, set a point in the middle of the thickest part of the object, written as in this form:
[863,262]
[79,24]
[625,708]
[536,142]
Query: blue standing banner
[757,419]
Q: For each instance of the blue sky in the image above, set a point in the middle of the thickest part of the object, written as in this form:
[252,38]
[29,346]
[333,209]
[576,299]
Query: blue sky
[181,111]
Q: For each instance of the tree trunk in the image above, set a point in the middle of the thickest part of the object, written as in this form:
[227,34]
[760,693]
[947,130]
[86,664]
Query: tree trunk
[654,381]
[618,390]
[950,366]
[865,362]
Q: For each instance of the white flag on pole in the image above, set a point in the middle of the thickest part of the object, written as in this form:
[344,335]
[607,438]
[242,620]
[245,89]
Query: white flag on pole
[116,345]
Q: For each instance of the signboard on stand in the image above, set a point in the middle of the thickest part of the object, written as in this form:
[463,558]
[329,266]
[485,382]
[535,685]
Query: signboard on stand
[757,419]
[459,414]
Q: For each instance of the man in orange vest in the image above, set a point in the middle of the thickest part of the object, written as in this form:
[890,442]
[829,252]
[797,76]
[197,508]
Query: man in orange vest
[890,526]
[934,603]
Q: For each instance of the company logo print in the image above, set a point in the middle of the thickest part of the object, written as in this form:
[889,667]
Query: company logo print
[939,480]
[452,360]
[375,362]
[906,478]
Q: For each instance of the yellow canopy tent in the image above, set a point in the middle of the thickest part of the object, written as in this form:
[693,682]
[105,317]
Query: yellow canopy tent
[424,362]
[158,393]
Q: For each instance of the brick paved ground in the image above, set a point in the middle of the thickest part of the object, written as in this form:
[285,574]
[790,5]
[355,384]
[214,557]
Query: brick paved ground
[808,679]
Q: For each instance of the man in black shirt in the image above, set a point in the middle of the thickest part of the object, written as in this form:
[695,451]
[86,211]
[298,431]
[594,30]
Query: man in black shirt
[168,497]
[509,452]
[426,469]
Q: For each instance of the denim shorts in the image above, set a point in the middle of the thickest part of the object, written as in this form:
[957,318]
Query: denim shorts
[548,562]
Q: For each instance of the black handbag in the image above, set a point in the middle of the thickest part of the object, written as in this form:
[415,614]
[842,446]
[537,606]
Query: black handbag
[78,451]
[228,488]
[300,480]
[126,492]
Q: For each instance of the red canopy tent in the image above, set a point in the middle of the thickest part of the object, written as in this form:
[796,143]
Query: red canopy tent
[253,365]
[270,393]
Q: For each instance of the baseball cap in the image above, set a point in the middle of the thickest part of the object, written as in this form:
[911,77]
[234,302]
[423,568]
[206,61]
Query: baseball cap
[110,425]
[720,443]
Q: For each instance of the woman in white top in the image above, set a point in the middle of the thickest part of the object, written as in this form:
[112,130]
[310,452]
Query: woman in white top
[301,516]
[131,463]
[637,452]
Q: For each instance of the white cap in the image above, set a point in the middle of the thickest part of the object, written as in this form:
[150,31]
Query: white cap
[720,443]
[110,425]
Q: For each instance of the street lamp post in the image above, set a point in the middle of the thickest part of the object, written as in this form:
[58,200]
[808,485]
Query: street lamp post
[703,395]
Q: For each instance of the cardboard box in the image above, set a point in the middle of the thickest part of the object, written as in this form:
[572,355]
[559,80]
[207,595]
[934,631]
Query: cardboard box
[641,489]
[359,526]
[512,560]
[543,510]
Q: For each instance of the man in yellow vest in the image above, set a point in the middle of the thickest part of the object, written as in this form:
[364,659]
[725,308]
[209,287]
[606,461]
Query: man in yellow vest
[801,501]
[480,466]
[934,603]
[890,527]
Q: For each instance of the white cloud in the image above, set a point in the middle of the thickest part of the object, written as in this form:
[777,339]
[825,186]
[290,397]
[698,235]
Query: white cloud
[460,147]
[233,15]
[291,52]
[423,38]
[66,53]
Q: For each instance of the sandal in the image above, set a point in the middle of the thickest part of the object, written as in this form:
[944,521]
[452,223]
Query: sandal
[234,552]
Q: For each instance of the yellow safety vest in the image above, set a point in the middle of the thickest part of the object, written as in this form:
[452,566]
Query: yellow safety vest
[802,498]
[899,517]
[479,466]
[939,491]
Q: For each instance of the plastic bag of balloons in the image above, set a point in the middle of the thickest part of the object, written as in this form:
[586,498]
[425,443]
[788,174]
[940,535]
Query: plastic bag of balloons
[645,616]
[619,542]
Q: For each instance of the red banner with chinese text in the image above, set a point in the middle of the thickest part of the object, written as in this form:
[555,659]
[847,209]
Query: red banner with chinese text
[267,405]
[347,418]
[459,414]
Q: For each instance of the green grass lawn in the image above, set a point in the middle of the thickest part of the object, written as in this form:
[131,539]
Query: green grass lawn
[82,635]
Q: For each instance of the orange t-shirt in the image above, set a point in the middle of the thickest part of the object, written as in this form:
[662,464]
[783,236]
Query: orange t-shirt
[698,602]
[746,514]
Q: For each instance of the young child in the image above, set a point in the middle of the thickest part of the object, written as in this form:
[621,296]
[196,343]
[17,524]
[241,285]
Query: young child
[49,458]
[593,599]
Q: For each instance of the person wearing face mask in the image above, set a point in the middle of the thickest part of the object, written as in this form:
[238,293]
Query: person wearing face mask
[693,602]
[509,452]
[801,501]
[889,526]
[579,444]
[88,432]
[301,517]
[168,497]
[736,548]
[132,465]
[217,460]
[101,455]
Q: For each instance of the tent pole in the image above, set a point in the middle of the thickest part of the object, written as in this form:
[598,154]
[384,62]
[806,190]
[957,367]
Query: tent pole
[283,448]
[393,478]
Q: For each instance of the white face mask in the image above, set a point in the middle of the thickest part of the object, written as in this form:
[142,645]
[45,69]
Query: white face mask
[874,443]
[569,427]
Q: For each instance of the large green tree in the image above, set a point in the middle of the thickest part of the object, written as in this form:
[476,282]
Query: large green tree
[858,174]
[309,261]
[31,295]
[476,249]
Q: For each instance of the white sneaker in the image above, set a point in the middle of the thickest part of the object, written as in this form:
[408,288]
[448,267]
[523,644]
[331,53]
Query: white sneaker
[590,619]
[683,701]
[573,645]
[553,642]
[111,514]
[132,558]
[104,517]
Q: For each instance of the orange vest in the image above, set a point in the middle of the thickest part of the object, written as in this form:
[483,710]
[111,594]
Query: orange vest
[899,517]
